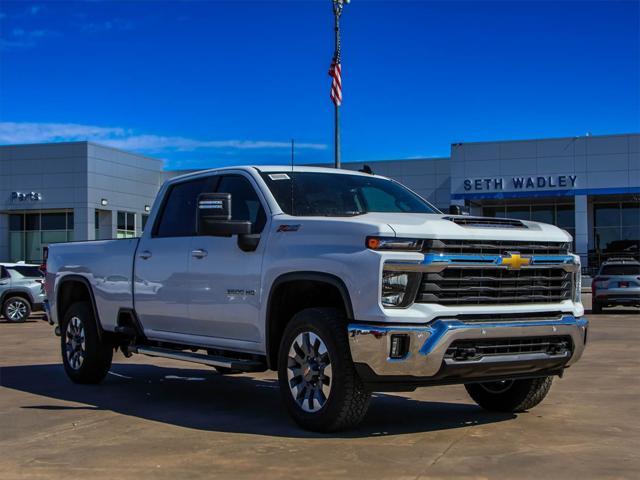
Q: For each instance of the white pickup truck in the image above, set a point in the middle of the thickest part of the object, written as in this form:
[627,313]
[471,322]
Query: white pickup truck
[343,282]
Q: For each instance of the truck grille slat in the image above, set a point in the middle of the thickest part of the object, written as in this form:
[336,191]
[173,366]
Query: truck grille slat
[462,350]
[495,247]
[490,285]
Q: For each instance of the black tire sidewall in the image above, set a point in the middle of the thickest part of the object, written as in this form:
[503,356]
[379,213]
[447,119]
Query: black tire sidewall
[313,320]
[522,395]
[98,356]
[12,299]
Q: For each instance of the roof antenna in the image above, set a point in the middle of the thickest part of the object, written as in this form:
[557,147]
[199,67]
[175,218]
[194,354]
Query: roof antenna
[292,175]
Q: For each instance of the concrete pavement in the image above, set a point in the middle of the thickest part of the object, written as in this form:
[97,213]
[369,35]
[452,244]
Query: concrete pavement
[160,418]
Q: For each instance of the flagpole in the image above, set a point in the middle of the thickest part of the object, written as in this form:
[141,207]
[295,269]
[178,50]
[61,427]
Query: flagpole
[337,107]
[337,11]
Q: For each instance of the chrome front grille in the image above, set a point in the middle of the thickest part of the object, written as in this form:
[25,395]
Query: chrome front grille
[494,285]
[495,247]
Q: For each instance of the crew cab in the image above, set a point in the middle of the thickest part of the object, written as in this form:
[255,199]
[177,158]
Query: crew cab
[343,282]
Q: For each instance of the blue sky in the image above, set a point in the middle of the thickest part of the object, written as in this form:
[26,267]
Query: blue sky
[209,83]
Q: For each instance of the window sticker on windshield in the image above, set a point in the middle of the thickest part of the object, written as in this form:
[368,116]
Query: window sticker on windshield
[278,176]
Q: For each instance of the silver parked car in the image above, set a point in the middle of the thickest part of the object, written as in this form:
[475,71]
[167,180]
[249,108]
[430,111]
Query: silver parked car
[617,283]
[21,290]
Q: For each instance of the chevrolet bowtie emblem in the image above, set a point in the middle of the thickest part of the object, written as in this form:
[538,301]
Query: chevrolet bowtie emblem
[514,261]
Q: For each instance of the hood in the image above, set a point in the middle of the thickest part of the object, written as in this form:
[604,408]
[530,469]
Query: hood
[461,227]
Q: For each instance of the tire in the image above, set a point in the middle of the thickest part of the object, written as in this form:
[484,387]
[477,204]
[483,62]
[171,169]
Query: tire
[329,374]
[511,395]
[86,359]
[596,307]
[16,309]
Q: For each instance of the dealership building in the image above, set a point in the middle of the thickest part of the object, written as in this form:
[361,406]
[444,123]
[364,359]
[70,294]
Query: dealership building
[589,186]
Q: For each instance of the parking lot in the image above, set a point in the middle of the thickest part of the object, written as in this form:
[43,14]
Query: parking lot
[173,420]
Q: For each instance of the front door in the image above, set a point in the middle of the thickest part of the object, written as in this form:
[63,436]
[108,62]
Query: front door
[225,280]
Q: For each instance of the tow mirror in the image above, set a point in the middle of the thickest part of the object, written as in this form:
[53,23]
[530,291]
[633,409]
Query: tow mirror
[214,216]
[455,209]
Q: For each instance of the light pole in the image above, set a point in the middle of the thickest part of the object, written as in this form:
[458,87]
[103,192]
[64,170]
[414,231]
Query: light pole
[336,73]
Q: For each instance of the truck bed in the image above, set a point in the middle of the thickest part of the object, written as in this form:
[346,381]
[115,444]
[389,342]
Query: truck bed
[108,267]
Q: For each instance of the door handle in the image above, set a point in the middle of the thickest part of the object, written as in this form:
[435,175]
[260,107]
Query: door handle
[146,255]
[4,283]
[199,253]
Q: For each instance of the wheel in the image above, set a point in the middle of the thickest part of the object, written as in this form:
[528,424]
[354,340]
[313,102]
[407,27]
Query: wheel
[596,307]
[510,395]
[86,359]
[16,309]
[318,381]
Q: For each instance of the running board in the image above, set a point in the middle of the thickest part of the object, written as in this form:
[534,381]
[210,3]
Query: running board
[212,360]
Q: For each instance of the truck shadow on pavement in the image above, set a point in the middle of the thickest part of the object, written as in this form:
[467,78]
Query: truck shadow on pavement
[202,399]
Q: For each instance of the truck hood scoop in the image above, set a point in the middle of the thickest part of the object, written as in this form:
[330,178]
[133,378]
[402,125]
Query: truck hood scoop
[485,222]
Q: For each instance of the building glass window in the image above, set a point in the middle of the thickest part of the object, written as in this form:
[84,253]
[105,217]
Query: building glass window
[562,216]
[616,230]
[29,232]
[126,225]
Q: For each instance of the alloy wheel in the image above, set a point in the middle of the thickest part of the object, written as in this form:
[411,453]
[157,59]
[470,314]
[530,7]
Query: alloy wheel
[309,372]
[75,343]
[16,310]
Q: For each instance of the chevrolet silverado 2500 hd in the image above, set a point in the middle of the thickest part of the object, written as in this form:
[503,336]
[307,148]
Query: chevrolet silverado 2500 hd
[343,282]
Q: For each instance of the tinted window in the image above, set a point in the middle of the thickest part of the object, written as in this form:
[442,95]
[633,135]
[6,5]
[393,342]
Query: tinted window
[245,204]
[30,272]
[54,221]
[4,273]
[16,222]
[329,194]
[178,218]
[620,270]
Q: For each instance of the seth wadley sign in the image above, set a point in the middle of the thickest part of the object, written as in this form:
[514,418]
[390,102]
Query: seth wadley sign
[520,183]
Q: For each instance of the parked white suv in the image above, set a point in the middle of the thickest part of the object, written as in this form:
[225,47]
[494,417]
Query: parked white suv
[21,290]
[343,282]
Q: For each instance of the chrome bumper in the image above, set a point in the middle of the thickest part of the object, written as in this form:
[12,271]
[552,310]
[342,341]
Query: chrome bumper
[370,344]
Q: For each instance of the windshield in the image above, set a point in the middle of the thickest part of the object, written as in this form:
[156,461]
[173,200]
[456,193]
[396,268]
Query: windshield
[620,270]
[339,195]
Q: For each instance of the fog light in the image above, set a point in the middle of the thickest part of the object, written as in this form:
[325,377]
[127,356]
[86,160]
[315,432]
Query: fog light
[399,346]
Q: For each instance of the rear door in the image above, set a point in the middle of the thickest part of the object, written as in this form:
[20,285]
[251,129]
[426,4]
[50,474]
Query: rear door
[161,287]
[225,280]
[5,281]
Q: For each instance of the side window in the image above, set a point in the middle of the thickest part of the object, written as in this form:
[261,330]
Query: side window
[178,215]
[245,204]
[4,273]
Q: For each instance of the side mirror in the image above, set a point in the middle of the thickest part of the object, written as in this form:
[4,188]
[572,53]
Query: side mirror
[214,217]
[455,209]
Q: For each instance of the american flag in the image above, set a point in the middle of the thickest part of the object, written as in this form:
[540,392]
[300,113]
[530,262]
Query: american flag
[335,72]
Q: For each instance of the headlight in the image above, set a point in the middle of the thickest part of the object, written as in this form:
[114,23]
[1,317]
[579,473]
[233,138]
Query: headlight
[577,282]
[393,243]
[398,288]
